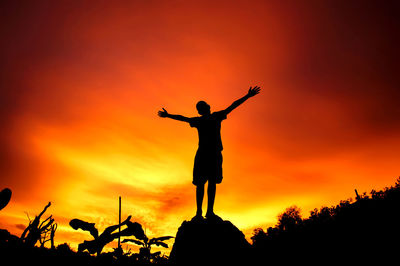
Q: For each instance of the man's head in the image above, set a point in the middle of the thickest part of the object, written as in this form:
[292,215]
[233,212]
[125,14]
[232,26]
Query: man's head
[203,108]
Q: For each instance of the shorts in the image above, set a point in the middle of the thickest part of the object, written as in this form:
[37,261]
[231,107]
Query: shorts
[207,167]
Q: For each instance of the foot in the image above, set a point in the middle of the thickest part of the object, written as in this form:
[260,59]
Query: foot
[211,216]
[197,218]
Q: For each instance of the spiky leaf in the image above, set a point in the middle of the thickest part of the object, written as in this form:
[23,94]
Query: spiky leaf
[159,243]
[137,242]
[155,254]
[162,238]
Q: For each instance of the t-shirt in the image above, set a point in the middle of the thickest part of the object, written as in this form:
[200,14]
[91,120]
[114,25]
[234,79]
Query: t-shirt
[209,130]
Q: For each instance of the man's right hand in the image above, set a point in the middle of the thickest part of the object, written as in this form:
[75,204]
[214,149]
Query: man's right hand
[253,91]
[163,113]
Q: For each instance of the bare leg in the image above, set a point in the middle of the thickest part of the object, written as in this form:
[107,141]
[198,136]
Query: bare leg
[199,199]
[212,187]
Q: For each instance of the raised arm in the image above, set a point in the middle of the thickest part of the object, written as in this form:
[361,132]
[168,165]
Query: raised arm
[164,114]
[252,92]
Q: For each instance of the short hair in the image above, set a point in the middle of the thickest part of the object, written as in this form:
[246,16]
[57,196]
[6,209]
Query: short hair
[202,107]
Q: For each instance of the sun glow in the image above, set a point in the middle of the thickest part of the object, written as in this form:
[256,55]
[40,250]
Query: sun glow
[81,88]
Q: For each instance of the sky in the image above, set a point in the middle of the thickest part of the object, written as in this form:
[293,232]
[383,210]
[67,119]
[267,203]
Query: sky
[82,81]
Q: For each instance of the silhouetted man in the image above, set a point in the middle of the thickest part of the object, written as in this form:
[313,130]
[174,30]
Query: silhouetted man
[208,159]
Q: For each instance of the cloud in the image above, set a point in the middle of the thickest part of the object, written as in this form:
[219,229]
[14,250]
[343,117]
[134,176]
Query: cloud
[81,85]
[20,226]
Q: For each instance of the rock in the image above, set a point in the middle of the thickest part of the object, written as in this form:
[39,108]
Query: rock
[209,241]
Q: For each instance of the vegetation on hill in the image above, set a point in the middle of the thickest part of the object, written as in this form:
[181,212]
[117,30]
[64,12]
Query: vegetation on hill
[365,229]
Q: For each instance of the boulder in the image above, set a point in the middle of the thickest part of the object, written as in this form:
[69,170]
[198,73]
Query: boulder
[209,241]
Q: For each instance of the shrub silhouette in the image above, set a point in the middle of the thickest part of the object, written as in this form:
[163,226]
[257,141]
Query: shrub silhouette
[40,231]
[100,241]
[370,224]
[289,219]
[145,254]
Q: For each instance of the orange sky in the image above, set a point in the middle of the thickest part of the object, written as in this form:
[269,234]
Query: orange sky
[81,84]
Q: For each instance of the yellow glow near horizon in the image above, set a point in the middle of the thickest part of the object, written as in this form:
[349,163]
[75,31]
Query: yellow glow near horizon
[81,89]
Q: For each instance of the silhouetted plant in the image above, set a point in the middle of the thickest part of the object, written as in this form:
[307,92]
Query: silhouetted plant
[289,219]
[48,235]
[40,231]
[5,196]
[64,248]
[98,243]
[145,251]
[370,223]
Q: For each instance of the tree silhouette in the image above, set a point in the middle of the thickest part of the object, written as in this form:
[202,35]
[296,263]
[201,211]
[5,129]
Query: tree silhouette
[100,241]
[289,219]
[40,231]
[364,228]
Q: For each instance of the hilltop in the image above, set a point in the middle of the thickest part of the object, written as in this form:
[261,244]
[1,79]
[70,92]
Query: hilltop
[366,229]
